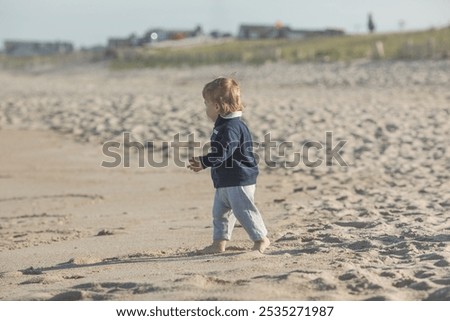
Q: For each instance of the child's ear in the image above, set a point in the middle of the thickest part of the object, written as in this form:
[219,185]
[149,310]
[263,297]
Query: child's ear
[217,107]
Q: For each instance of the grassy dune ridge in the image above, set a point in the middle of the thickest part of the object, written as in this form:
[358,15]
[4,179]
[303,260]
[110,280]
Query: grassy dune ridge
[428,44]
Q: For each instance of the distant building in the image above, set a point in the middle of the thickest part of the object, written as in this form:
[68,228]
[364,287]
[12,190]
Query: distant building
[279,31]
[258,32]
[96,48]
[158,35]
[35,48]
[219,34]
[152,36]
[116,43]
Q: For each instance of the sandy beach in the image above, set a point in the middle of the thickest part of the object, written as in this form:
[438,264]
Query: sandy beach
[376,228]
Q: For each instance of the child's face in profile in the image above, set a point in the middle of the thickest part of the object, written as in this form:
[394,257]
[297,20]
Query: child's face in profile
[212,110]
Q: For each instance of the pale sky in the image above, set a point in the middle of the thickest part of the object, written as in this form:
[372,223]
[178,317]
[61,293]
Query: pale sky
[92,22]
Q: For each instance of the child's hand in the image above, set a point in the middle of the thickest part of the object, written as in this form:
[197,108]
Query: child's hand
[195,164]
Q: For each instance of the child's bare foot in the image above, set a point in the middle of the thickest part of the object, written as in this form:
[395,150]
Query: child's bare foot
[261,245]
[216,247]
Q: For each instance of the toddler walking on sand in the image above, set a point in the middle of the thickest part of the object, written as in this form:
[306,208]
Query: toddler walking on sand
[233,167]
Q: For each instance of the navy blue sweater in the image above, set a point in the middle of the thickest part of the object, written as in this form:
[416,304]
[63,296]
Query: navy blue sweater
[231,158]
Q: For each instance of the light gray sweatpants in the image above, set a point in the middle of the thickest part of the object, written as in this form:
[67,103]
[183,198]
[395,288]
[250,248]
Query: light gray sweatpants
[237,202]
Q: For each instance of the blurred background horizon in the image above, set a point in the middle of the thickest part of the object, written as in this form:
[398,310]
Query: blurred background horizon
[90,23]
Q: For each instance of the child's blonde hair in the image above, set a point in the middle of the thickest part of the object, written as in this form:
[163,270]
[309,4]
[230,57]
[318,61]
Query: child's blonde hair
[226,93]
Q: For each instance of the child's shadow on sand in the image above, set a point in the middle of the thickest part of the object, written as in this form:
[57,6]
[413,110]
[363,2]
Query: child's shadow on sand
[79,263]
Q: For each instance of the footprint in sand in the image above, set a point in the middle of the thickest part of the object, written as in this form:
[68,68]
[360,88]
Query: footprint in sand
[430,257]
[70,296]
[200,281]
[441,281]
[377,298]
[321,284]
[358,225]
[104,291]
[422,274]
[440,295]
[360,246]
[357,283]
[42,280]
